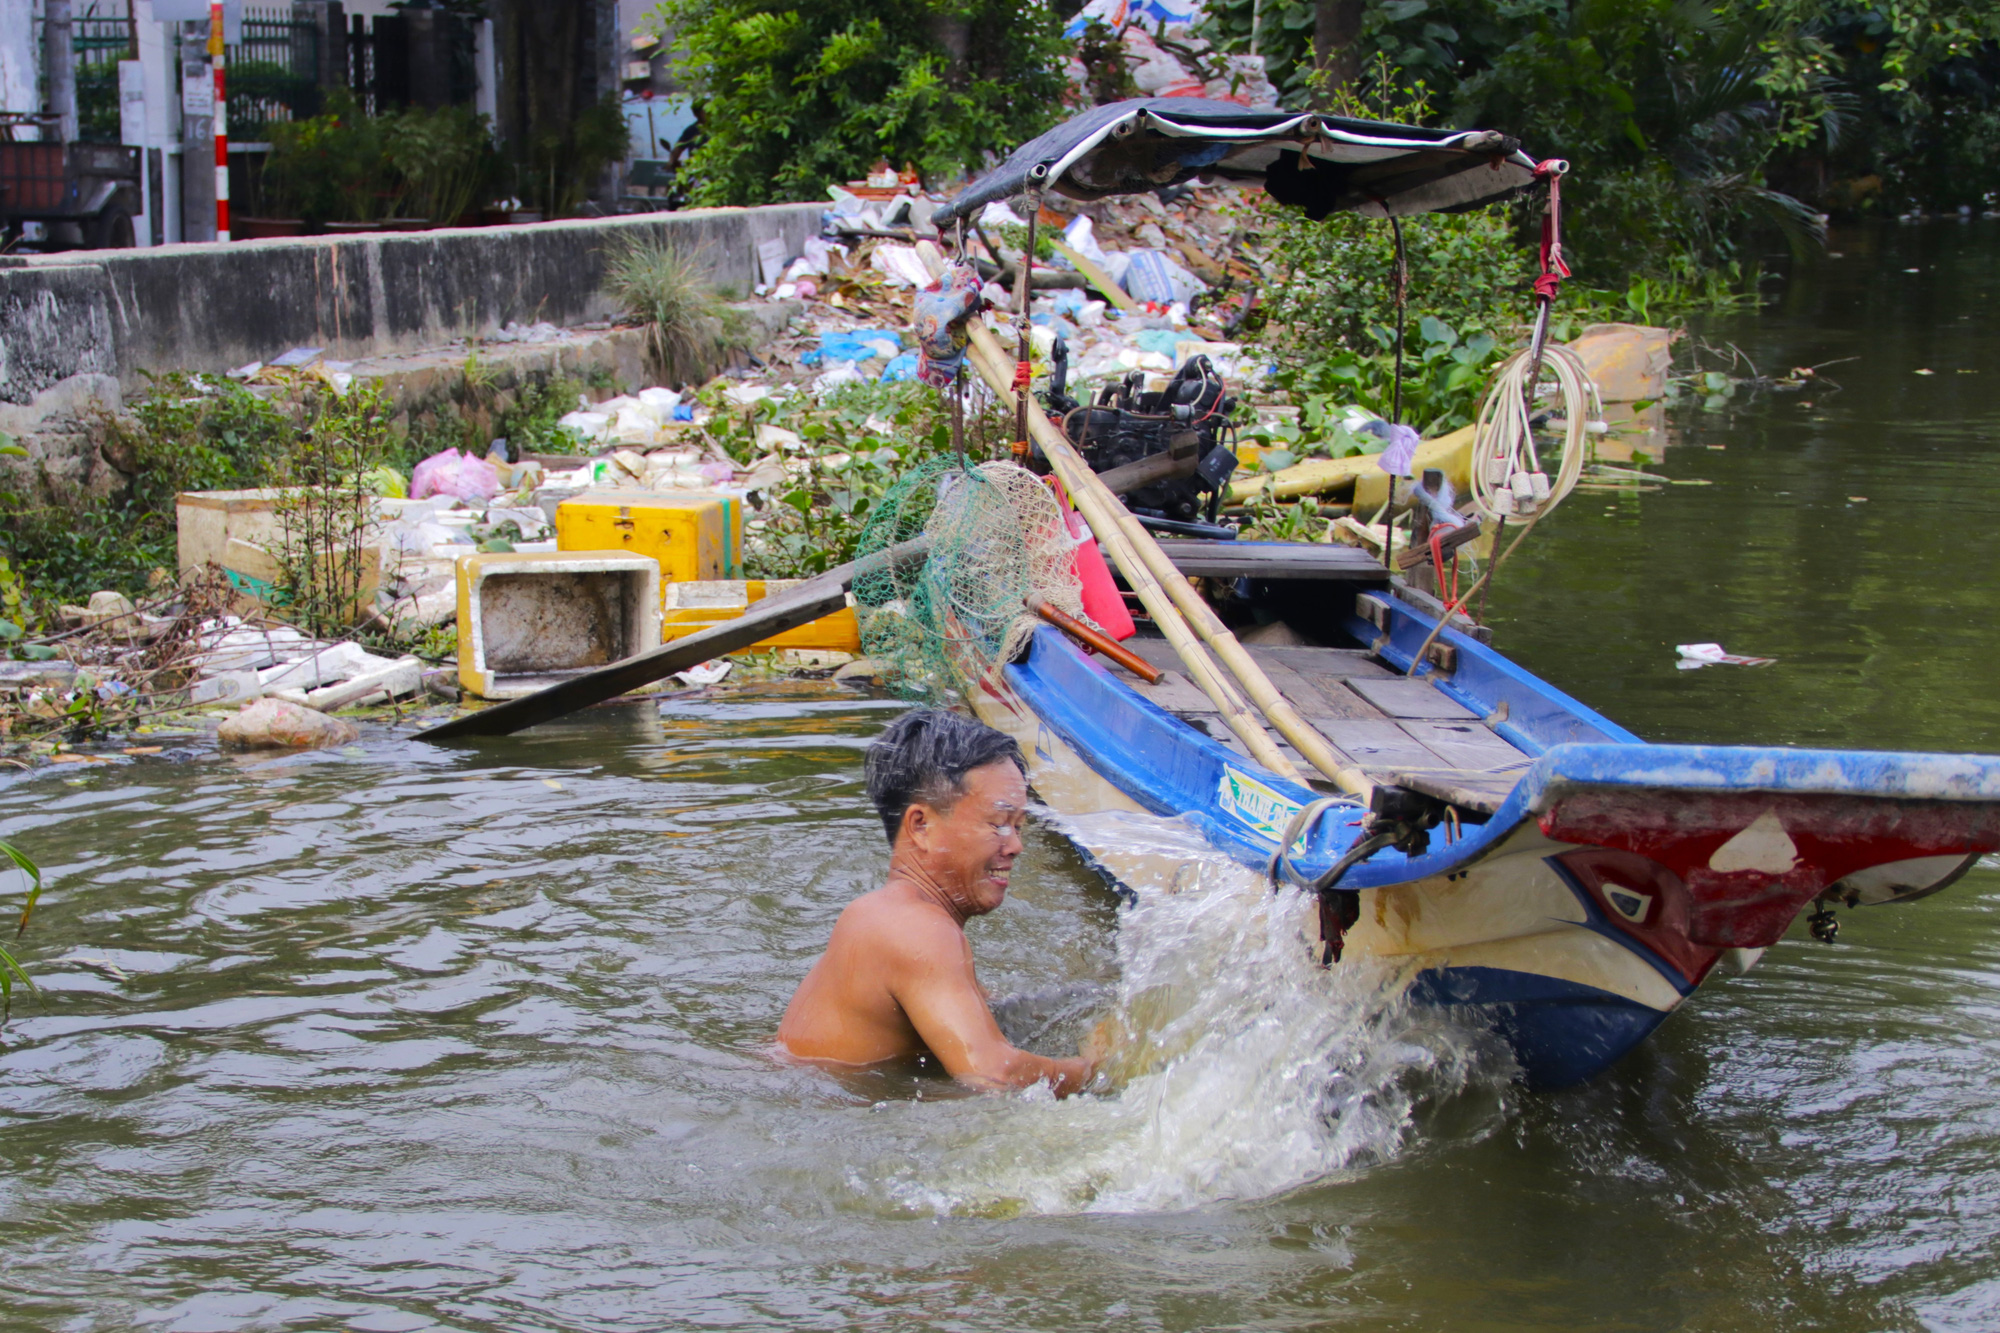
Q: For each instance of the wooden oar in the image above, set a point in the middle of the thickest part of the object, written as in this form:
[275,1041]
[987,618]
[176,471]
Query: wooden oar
[1101,644]
[809,601]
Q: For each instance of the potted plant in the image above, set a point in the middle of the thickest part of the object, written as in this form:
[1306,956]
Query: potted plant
[445,159]
[334,167]
[271,205]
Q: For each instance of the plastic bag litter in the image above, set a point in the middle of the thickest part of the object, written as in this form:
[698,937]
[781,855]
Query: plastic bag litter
[1134,359]
[1155,72]
[817,257]
[902,366]
[706,673]
[853,345]
[837,374]
[1695,656]
[586,423]
[1081,236]
[635,426]
[1166,342]
[997,214]
[1115,14]
[660,402]
[773,439]
[457,474]
[1099,359]
[1177,73]
[900,264]
[1152,276]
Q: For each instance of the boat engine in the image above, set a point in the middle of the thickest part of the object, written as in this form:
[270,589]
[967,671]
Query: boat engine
[1168,451]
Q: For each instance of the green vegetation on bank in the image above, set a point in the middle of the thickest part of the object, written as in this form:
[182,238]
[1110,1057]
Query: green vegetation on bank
[207,432]
[796,97]
[1694,128]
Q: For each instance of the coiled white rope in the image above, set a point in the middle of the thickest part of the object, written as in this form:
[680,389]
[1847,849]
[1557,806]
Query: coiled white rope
[1508,480]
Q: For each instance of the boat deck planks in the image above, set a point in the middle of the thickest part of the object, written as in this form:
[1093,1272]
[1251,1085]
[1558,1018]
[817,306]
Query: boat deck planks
[1392,727]
[1484,792]
[1411,699]
[1273,560]
[1380,744]
[1326,663]
[1465,744]
[1173,692]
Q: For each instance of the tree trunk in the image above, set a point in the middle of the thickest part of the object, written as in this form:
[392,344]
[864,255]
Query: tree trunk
[1336,34]
[953,34]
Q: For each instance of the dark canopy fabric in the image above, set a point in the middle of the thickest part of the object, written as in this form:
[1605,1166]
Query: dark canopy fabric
[1322,164]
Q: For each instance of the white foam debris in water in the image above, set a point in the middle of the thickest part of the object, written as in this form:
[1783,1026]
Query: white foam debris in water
[1244,1070]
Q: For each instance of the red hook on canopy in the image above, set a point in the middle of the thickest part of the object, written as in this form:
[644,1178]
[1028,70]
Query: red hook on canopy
[1554,270]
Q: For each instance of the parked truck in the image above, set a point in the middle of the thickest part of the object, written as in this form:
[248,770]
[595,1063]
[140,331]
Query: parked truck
[84,194]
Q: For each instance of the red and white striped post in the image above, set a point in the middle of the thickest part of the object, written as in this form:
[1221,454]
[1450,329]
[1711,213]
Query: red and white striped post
[216,62]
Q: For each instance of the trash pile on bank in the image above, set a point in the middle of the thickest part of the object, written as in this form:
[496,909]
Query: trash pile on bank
[1129,291]
[1181,273]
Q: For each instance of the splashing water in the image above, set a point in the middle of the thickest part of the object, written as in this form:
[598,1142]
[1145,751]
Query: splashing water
[1239,1067]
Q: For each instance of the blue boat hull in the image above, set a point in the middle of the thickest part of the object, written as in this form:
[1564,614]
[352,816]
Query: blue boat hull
[1578,913]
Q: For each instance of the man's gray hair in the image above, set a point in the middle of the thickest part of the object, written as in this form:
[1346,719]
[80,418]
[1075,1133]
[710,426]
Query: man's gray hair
[925,755]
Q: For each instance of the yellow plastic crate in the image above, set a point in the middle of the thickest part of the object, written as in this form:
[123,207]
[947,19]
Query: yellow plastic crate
[691,607]
[693,535]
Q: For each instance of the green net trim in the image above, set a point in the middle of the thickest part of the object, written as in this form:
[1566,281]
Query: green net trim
[997,537]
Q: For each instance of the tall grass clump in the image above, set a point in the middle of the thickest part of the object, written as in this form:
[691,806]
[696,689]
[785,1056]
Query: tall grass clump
[689,327]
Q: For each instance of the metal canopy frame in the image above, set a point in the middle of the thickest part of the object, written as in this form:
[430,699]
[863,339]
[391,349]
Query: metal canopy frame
[1321,164]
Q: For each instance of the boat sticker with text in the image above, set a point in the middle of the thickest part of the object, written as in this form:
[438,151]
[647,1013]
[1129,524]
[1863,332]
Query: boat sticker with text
[1255,804]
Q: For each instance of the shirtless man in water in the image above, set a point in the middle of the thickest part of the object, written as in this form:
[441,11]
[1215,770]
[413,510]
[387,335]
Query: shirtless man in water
[896,980]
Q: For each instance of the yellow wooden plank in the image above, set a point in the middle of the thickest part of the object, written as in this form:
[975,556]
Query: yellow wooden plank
[837,632]
[1098,277]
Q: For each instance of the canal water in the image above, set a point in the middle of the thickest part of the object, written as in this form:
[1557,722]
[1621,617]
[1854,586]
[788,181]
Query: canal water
[397,1038]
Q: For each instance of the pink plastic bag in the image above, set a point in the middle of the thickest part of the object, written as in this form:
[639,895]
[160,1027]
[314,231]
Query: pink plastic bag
[458,475]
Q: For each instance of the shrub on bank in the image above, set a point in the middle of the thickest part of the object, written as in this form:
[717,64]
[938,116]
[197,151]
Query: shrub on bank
[795,97]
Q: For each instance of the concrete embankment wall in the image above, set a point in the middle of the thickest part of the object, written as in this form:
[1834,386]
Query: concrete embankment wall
[78,331]
[210,307]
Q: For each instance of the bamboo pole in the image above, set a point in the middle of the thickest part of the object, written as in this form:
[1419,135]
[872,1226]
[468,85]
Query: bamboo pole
[991,361]
[1083,485]
[1097,505]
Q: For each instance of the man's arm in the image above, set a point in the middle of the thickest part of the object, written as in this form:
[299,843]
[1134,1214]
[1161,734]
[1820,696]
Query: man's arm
[941,996]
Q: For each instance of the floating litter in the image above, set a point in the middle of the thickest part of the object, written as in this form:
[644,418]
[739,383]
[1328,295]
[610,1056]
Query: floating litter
[1695,656]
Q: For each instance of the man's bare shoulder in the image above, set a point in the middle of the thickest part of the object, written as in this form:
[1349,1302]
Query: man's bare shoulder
[901,924]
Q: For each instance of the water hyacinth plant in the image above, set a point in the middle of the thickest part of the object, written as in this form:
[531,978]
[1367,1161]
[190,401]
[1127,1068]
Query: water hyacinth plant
[10,969]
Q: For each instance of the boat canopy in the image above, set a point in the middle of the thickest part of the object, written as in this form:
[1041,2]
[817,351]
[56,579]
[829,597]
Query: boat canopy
[1322,164]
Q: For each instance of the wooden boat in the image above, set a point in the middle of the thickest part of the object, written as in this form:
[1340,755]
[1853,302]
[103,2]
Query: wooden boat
[1575,884]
